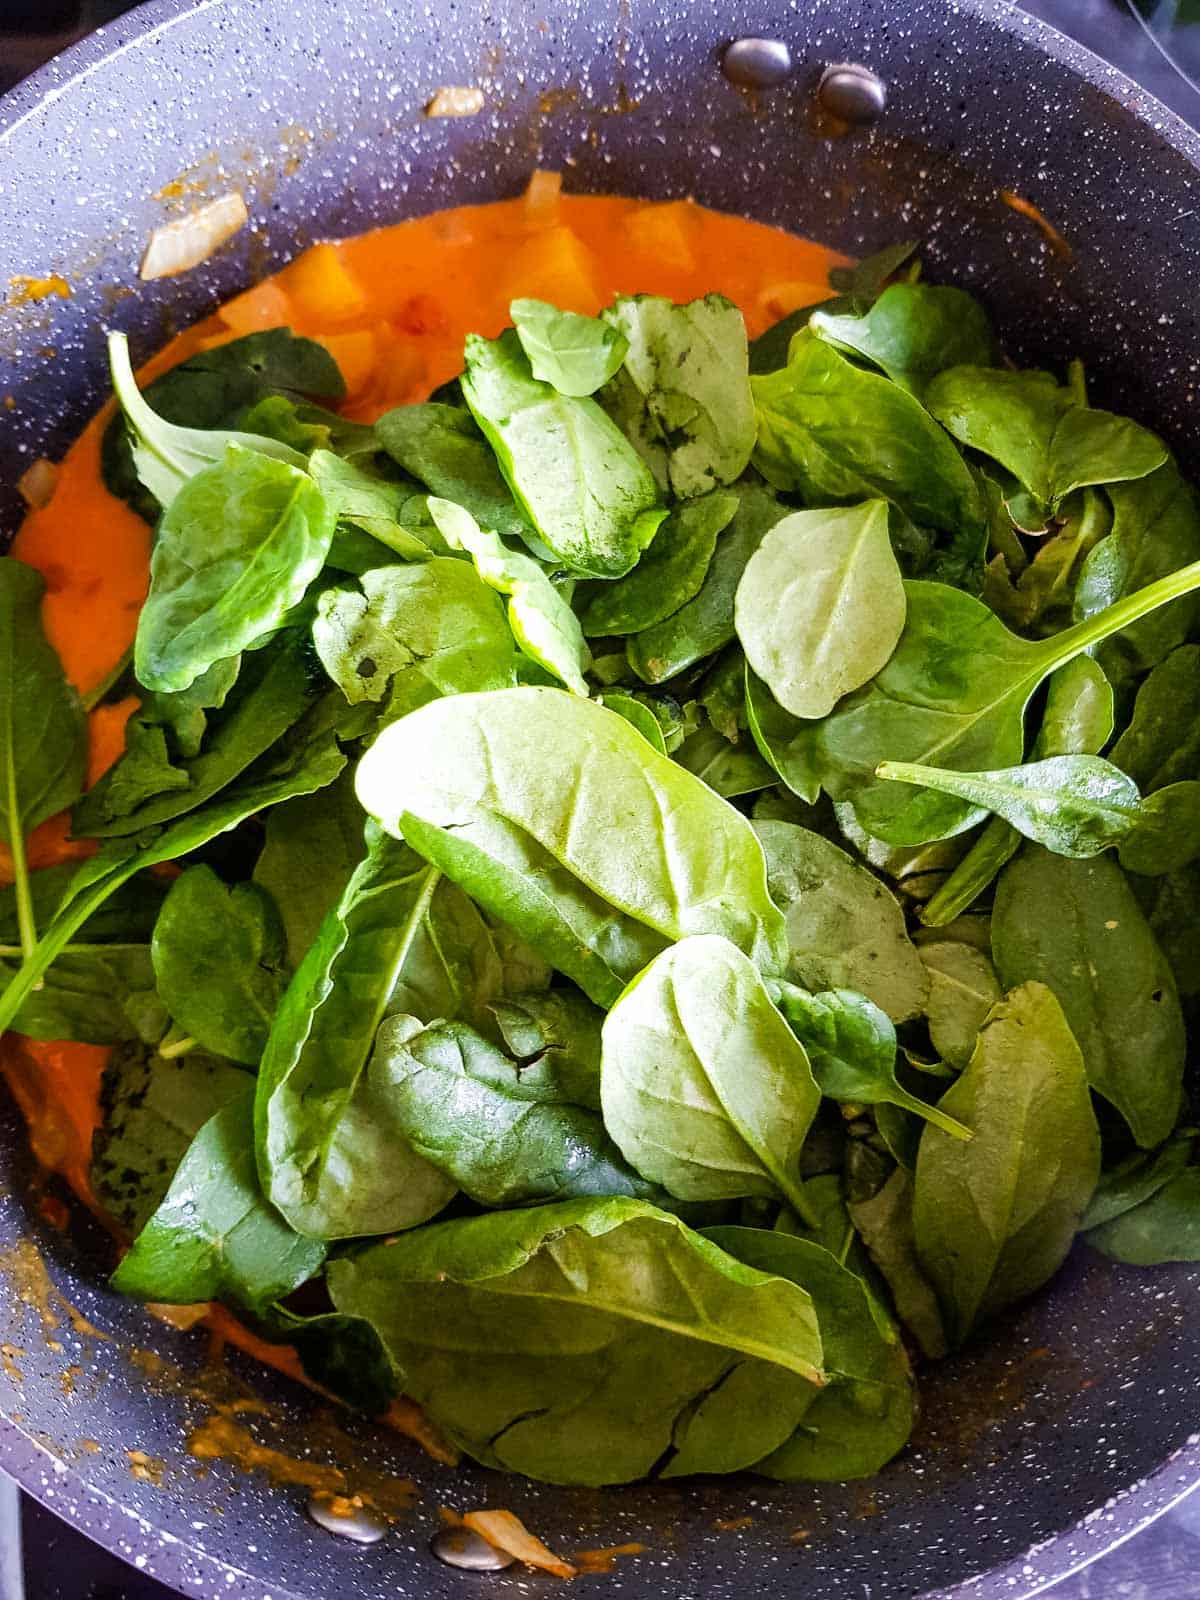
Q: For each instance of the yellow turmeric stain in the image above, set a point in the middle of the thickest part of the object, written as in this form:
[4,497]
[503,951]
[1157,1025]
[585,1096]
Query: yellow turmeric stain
[8,1361]
[23,291]
[145,1468]
[31,1281]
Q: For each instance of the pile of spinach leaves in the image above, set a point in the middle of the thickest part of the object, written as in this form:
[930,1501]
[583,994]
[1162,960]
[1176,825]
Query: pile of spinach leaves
[686,868]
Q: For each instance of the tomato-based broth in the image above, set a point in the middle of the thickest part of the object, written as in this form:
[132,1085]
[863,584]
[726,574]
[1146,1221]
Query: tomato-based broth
[393,307]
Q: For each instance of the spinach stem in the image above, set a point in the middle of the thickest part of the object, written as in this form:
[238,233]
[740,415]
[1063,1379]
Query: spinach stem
[58,937]
[26,923]
[1072,642]
[170,1048]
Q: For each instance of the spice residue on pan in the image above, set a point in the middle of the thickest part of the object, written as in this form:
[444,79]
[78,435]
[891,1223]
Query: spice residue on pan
[34,1287]
[26,291]
[605,1560]
[146,1468]
[1026,208]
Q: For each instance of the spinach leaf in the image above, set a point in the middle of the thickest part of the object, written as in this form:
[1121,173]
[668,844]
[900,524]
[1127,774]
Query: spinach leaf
[730,769]
[166,456]
[683,394]
[374,505]
[1136,1178]
[722,693]
[185,714]
[845,929]
[866,279]
[43,733]
[578,1343]
[813,439]
[219,960]
[408,634]
[576,354]
[865,1414]
[953,695]
[1156,530]
[343,1355]
[312,846]
[443,448]
[127,918]
[1043,594]
[1161,745]
[214,1236]
[1098,955]
[634,828]
[913,332]
[963,988]
[503,1139]
[542,622]
[306,760]
[590,498]
[151,1108]
[670,573]
[139,792]
[92,993]
[1171,906]
[820,606]
[1077,720]
[638,715]
[704,623]
[1074,805]
[994,1218]
[704,1087]
[332,1153]
[1040,432]
[785,742]
[555,1037]
[851,1046]
[1164,1227]
[236,549]
[885,1223]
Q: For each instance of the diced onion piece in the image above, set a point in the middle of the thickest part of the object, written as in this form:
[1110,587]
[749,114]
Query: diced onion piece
[541,197]
[322,286]
[181,1317]
[37,483]
[180,245]
[455,100]
[778,299]
[507,1532]
[264,306]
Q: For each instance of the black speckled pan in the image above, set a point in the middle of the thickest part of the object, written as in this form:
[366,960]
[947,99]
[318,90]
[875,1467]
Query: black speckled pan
[1074,1424]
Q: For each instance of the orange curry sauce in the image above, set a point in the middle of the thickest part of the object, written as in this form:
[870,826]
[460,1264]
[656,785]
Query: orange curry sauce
[394,308]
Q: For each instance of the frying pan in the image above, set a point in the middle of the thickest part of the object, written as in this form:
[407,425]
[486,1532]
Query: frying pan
[1072,1424]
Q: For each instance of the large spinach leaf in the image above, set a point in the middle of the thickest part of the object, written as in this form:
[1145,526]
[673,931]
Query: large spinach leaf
[670,573]
[151,1109]
[542,622]
[576,354]
[866,1412]
[407,634]
[913,332]
[214,1236]
[1164,1227]
[1161,745]
[167,456]
[1098,955]
[820,606]
[581,1342]
[953,695]
[885,1224]
[43,736]
[705,623]
[683,393]
[331,1149]
[236,549]
[590,498]
[312,846]
[442,447]
[1040,432]
[503,1137]
[93,993]
[845,929]
[219,960]
[555,1037]
[704,1087]
[995,1217]
[814,438]
[650,839]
